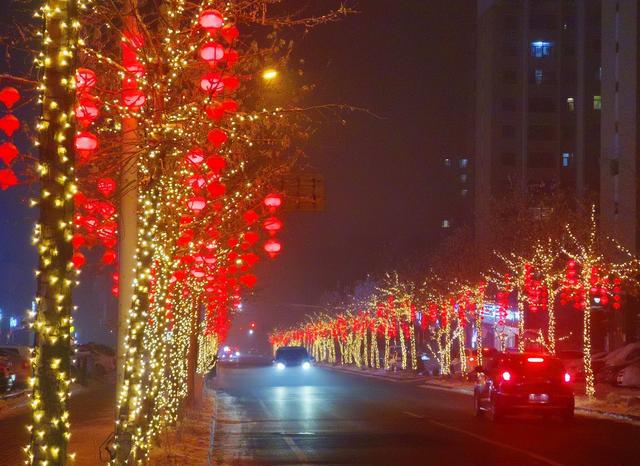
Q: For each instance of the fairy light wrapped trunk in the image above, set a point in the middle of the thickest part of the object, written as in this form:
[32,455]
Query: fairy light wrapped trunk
[56,275]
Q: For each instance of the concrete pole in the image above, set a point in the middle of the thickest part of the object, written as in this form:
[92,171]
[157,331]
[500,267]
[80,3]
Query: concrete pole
[128,227]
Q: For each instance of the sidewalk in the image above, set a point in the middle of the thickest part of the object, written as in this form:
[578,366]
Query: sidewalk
[618,403]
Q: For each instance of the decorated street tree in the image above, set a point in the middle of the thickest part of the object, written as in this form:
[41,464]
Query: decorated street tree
[596,268]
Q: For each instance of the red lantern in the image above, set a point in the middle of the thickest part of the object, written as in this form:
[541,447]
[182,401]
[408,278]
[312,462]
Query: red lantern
[197,182]
[9,96]
[217,137]
[250,216]
[272,247]
[273,201]
[86,111]
[107,210]
[133,99]
[85,80]
[272,225]
[211,52]
[230,33]
[107,230]
[86,143]
[78,241]
[216,163]
[78,260]
[216,189]
[106,186]
[197,204]
[197,272]
[230,83]
[7,178]
[251,237]
[8,152]
[249,280]
[9,124]
[211,20]
[195,156]
[109,257]
[212,82]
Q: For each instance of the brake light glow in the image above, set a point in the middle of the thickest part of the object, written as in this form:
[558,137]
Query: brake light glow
[535,359]
[567,377]
[506,376]
[471,359]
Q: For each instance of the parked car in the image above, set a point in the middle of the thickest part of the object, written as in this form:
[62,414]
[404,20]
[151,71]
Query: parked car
[608,366]
[515,383]
[104,358]
[7,377]
[472,359]
[629,376]
[428,365]
[20,359]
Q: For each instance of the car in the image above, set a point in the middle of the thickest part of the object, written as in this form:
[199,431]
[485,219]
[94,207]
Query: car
[516,383]
[292,356]
[428,365]
[7,377]
[19,356]
[573,361]
[104,358]
[609,365]
[472,359]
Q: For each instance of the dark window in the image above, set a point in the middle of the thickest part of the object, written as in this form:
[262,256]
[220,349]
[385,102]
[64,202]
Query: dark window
[508,131]
[509,77]
[508,159]
[510,23]
[569,50]
[540,160]
[541,105]
[509,104]
[542,22]
[541,132]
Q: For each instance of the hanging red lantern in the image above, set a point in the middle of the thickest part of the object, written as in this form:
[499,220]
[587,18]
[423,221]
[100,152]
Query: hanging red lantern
[272,225]
[7,178]
[8,152]
[251,237]
[211,20]
[9,96]
[78,241]
[216,163]
[87,110]
[214,111]
[9,124]
[85,80]
[212,82]
[85,143]
[134,99]
[216,189]
[109,257]
[106,186]
[249,280]
[250,217]
[272,247]
[197,182]
[231,56]
[107,209]
[78,260]
[197,204]
[230,33]
[107,230]
[273,201]
[197,272]
[217,137]
[195,156]
[230,83]
[211,52]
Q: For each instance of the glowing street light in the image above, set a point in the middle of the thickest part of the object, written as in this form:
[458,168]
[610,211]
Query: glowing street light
[269,74]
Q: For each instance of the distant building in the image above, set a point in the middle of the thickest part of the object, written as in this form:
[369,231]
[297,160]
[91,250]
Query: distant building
[458,193]
[538,99]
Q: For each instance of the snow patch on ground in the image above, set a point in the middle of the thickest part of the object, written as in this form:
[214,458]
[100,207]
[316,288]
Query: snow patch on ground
[188,443]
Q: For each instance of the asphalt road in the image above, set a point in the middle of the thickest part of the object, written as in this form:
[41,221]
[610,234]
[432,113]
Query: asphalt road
[326,417]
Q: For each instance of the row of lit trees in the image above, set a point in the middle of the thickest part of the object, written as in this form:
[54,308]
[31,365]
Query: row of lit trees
[573,276]
[156,146]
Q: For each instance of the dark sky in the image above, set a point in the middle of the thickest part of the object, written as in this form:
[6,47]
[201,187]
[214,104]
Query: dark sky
[409,61]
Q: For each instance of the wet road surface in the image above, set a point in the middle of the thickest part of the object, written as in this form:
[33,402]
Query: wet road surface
[325,417]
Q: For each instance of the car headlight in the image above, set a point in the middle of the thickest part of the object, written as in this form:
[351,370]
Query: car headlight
[280,366]
[306,365]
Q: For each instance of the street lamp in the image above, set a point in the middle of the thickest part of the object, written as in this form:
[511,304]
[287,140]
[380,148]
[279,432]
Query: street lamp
[269,74]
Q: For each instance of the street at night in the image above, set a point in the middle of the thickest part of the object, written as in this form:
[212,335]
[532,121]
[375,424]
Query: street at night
[328,417]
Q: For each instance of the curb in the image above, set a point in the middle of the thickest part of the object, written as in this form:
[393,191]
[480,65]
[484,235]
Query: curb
[364,373]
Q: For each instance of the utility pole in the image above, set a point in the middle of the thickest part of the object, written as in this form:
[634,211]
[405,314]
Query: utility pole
[128,227]
[56,274]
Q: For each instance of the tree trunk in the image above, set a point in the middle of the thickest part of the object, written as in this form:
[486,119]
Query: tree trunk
[56,275]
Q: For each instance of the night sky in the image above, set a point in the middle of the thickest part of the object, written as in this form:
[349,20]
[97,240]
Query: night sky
[408,61]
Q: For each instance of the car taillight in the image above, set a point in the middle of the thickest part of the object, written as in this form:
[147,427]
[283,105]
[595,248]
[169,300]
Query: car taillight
[506,376]
[567,377]
[471,359]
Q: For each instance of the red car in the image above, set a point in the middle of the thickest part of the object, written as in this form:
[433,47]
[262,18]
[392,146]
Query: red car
[515,383]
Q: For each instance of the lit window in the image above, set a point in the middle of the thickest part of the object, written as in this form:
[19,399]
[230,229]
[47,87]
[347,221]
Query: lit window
[566,157]
[464,192]
[464,163]
[447,162]
[445,224]
[571,104]
[539,76]
[540,49]
[463,178]
[597,102]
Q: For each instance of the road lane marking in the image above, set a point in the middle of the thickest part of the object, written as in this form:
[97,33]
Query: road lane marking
[300,454]
[418,416]
[530,454]
[266,410]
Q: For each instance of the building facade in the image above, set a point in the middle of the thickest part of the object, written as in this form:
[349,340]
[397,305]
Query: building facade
[538,99]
